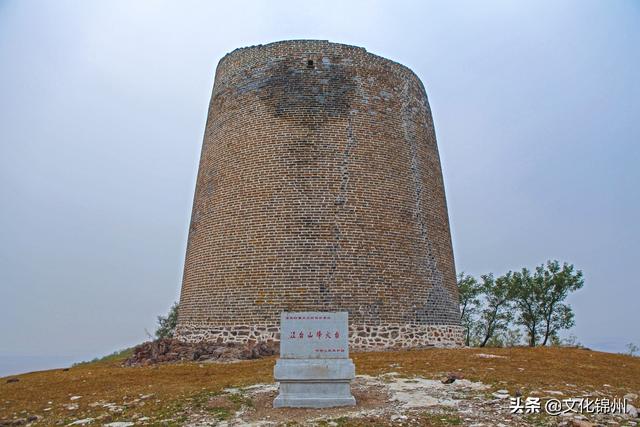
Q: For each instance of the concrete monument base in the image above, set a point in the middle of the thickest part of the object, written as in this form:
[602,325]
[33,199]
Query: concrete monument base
[314,383]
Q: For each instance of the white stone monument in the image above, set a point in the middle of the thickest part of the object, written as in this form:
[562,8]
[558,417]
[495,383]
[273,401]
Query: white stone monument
[314,369]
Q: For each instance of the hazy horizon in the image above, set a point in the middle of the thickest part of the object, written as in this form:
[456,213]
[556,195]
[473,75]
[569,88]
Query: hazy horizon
[536,108]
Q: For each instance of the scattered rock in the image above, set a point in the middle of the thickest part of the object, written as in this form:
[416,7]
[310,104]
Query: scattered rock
[119,424]
[75,397]
[490,356]
[81,422]
[424,393]
[395,400]
[451,377]
[112,407]
[501,394]
[168,350]
[630,396]
[13,380]
[632,411]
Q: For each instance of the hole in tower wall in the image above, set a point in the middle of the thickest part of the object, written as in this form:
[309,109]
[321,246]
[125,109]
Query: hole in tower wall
[310,63]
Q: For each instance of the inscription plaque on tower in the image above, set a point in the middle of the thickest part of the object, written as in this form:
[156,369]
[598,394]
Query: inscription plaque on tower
[314,369]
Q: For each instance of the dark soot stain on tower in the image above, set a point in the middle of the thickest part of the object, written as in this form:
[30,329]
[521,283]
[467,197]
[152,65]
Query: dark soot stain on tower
[319,189]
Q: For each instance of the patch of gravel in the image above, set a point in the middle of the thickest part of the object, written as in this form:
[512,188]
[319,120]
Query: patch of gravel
[387,399]
[383,400]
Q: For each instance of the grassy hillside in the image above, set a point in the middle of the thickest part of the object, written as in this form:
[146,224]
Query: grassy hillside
[106,391]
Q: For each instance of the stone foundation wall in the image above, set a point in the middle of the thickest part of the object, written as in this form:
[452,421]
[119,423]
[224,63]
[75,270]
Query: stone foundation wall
[361,337]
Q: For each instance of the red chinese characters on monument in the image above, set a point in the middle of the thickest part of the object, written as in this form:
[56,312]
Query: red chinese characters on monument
[318,334]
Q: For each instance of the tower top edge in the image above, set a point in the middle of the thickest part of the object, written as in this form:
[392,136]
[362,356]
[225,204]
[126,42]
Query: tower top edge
[311,47]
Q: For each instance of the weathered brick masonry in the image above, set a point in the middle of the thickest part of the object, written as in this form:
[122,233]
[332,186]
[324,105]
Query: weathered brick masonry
[319,188]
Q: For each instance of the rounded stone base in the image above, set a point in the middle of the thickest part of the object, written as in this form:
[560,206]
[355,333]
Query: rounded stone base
[361,337]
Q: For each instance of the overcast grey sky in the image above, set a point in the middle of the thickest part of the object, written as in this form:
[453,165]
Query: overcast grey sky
[103,106]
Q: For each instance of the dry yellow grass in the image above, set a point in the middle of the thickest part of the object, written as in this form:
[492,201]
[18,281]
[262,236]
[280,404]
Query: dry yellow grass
[572,371]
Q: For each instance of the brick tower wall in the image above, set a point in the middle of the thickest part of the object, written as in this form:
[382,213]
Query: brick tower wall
[319,189]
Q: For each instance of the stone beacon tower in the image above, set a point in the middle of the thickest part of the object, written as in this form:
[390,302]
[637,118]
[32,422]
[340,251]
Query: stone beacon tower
[319,189]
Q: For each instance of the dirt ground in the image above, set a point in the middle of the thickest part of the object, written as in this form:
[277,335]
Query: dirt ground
[393,388]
